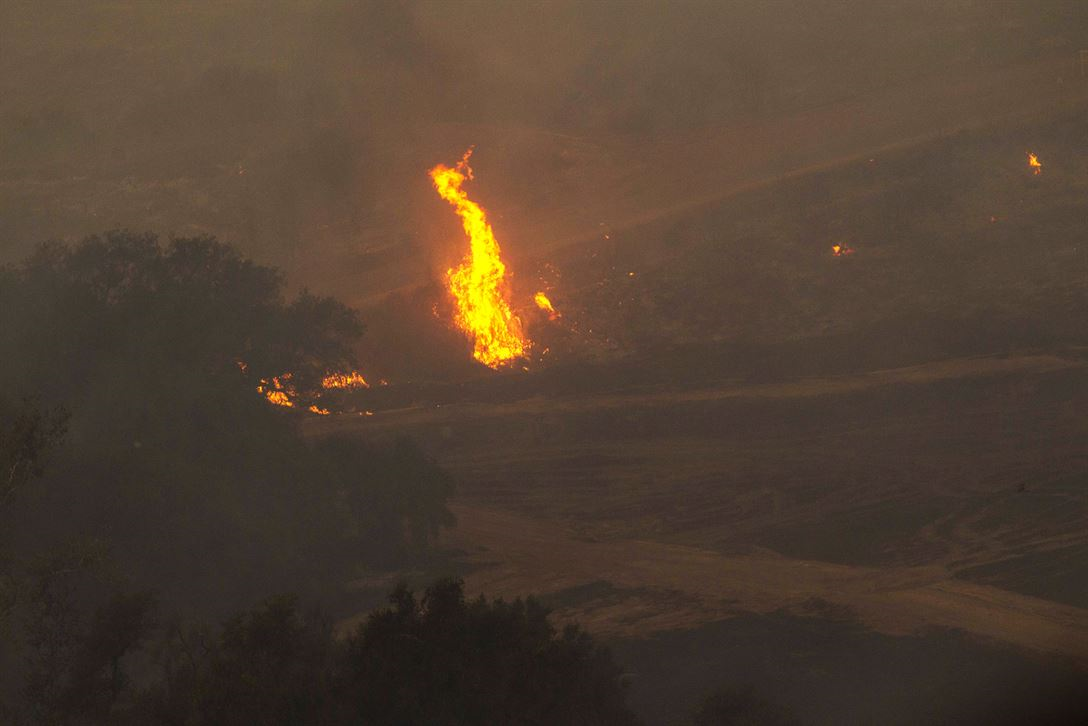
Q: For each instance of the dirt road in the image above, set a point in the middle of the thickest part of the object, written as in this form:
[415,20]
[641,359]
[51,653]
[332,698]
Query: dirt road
[657,586]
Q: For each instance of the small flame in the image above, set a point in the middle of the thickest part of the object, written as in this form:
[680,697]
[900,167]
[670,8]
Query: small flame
[279,398]
[841,250]
[280,391]
[344,380]
[277,392]
[1034,164]
[478,284]
[545,304]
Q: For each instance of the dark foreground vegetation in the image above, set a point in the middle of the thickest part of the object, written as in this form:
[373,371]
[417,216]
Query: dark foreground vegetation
[153,506]
[173,467]
[147,487]
[438,659]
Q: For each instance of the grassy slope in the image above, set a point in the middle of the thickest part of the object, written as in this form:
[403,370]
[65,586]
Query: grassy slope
[910,415]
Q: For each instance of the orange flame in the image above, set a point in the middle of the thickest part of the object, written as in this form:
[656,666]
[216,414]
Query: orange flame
[277,393]
[280,391]
[545,304]
[478,285]
[841,250]
[1035,165]
[344,380]
[279,398]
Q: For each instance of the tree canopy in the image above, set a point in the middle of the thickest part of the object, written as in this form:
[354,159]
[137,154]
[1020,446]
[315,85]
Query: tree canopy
[175,493]
[437,659]
[198,488]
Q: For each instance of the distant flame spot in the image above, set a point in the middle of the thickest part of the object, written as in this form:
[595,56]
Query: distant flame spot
[838,250]
[318,411]
[1034,164]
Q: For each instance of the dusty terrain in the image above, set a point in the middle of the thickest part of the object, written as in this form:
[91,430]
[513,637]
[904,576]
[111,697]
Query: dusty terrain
[728,426]
[697,506]
[749,425]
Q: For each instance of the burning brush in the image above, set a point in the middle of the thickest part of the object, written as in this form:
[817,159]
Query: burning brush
[478,284]
[281,390]
[545,304]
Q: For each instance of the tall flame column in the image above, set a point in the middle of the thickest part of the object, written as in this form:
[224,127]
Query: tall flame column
[479,284]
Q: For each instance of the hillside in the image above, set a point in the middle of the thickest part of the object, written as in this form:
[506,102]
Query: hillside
[756,427]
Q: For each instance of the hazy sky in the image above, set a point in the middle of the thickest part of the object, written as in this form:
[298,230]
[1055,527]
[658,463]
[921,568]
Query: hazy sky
[302,131]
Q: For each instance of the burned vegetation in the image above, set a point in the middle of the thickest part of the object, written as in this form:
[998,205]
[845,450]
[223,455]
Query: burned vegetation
[142,465]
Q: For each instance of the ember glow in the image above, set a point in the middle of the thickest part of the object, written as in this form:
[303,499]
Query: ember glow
[1035,165]
[841,250]
[545,304]
[281,391]
[344,380]
[278,391]
[479,284]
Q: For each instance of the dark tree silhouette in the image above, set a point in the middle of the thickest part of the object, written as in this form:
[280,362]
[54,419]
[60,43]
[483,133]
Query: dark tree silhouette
[739,707]
[439,659]
[27,436]
[173,475]
[203,492]
[442,659]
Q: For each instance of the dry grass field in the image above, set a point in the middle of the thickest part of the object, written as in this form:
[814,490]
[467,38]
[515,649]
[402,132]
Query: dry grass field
[878,493]
[749,427]
[731,439]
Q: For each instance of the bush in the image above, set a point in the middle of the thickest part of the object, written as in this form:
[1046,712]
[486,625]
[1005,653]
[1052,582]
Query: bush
[203,491]
[739,707]
[439,659]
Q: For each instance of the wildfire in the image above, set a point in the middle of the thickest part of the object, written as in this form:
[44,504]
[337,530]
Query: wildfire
[344,380]
[838,250]
[1034,164]
[478,284]
[277,391]
[281,391]
[545,304]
